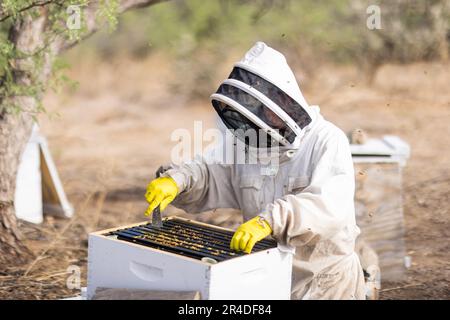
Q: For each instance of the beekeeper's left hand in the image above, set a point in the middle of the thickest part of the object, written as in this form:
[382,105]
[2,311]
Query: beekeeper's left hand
[249,233]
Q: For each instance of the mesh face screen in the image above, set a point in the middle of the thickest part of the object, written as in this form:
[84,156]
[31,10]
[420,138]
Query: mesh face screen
[244,129]
[258,109]
[278,96]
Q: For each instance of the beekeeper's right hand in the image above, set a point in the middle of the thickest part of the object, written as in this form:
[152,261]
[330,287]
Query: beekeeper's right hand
[160,192]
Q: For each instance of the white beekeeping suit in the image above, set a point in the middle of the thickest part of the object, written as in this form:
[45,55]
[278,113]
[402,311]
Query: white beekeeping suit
[307,199]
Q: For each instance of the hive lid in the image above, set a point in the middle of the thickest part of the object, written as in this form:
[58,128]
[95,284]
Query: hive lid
[387,149]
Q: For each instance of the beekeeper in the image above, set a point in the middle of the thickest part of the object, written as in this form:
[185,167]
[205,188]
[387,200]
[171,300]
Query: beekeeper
[306,201]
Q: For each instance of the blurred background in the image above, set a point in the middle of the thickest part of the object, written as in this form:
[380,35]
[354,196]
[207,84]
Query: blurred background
[134,83]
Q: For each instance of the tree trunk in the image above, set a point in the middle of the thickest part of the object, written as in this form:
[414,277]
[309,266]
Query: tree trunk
[14,131]
[27,36]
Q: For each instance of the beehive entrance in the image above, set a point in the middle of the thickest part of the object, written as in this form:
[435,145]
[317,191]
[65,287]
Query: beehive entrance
[187,238]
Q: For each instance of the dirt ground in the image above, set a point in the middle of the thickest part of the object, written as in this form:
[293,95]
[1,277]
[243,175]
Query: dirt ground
[110,136]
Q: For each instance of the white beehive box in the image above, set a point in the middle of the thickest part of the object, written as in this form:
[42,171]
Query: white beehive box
[114,263]
[379,201]
[38,187]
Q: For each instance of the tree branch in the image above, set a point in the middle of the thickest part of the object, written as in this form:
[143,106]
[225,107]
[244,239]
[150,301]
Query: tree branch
[90,13]
[32,5]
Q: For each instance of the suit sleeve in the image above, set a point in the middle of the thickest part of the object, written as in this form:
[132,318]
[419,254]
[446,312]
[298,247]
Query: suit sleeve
[325,206]
[203,186]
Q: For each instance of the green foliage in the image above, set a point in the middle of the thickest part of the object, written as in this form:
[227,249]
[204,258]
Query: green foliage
[336,28]
[13,7]
[59,79]
[30,65]
[108,12]
[182,26]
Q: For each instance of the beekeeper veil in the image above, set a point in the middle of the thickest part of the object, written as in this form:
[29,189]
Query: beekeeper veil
[261,94]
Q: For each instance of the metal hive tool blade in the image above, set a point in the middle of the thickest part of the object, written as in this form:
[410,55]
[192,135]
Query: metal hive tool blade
[156,218]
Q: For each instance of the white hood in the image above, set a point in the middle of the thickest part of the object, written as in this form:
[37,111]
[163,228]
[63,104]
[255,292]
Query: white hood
[271,65]
[262,93]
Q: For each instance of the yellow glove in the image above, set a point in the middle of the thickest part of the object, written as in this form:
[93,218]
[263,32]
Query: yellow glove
[250,233]
[160,192]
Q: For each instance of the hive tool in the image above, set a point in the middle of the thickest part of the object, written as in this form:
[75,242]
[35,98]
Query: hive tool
[156,214]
